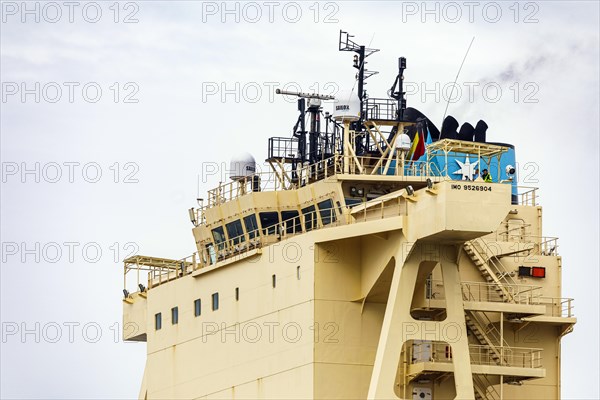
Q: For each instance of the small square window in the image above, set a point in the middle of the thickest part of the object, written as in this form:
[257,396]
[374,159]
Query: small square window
[237,294]
[524,271]
[274,278]
[215,301]
[197,307]
[157,321]
[175,315]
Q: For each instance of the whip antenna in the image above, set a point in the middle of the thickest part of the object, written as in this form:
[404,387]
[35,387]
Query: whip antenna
[456,79]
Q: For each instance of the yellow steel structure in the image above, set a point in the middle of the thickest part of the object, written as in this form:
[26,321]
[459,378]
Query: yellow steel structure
[412,293]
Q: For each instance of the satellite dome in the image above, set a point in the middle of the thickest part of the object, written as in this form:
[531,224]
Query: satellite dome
[242,165]
[403,142]
[346,106]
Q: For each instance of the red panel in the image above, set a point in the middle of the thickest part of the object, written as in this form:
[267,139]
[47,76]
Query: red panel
[538,272]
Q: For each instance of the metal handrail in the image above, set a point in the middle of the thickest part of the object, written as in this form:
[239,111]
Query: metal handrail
[543,245]
[528,197]
[275,181]
[486,325]
[486,292]
[502,273]
[524,357]
[558,306]
[487,387]
[258,238]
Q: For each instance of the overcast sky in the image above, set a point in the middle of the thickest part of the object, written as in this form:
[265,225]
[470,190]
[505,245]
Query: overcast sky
[116,110]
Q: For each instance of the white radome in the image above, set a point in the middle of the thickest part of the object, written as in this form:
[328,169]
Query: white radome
[403,142]
[241,166]
[346,106]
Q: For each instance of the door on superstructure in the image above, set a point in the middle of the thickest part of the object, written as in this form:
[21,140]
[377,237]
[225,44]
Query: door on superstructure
[422,393]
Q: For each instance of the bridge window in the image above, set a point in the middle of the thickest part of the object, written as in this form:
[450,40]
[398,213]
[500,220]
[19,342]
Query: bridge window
[327,212]
[352,202]
[219,237]
[197,307]
[292,219]
[175,315]
[310,218]
[157,321]
[215,301]
[268,222]
[251,226]
[235,232]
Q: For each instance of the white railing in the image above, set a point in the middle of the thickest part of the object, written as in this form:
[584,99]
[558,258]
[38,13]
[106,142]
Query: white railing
[558,306]
[527,196]
[488,292]
[275,180]
[440,352]
[542,245]
[488,391]
[238,246]
[522,357]
[494,264]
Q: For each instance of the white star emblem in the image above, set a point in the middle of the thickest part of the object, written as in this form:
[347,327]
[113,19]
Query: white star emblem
[467,170]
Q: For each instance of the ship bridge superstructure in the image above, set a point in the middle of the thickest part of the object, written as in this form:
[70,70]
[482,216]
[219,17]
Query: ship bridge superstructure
[413,249]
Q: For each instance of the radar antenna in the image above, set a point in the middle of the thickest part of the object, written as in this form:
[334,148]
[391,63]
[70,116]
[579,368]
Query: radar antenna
[362,52]
[305,95]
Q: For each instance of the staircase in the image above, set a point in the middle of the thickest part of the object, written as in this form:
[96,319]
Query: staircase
[484,389]
[486,334]
[496,274]
[491,269]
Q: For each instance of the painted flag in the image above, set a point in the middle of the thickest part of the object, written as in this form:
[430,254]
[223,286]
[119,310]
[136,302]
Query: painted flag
[428,141]
[418,145]
[414,145]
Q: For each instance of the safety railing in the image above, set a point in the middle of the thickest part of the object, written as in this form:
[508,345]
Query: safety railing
[441,352]
[274,180]
[527,196]
[488,292]
[304,222]
[546,246]
[494,265]
[488,391]
[178,269]
[558,306]
[486,326]
[513,234]
[231,247]
[542,245]
[522,357]
[283,147]
[285,180]
[392,165]
[159,270]
[380,109]
[259,182]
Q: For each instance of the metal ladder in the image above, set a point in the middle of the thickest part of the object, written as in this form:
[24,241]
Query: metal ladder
[491,269]
[484,389]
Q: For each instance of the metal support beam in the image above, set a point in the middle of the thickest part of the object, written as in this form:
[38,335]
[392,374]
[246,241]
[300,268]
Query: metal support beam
[399,326]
